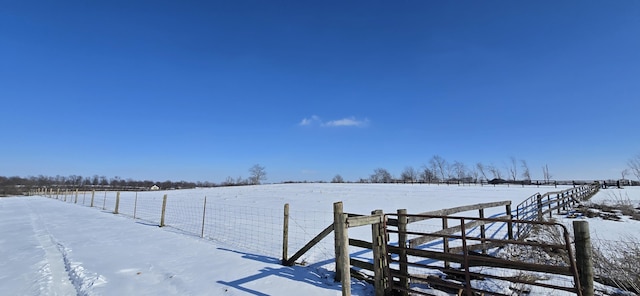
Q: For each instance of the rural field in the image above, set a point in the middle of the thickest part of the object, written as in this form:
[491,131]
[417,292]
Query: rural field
[225,240]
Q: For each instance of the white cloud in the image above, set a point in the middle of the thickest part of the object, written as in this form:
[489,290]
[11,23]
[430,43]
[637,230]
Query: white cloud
[351,121]
[344,122]
[310,120]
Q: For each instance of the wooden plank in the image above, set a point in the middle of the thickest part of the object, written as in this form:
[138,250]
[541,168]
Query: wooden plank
[402,243]
[361,276]
[392,222]
[475,260]
[364,220]
[449,211]
[361,264]
[360,243]
[379,255]
[309,245]
[428,237]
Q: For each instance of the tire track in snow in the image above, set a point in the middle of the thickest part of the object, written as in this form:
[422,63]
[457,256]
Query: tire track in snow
[60,275]
[53,270]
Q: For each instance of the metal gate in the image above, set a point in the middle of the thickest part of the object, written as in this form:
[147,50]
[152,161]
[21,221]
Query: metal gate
[476,255]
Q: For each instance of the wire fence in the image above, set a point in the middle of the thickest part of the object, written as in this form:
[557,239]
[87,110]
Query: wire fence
[245,228]
[259,230]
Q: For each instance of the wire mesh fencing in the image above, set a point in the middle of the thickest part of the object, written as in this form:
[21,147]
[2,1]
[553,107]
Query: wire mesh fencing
[245,228]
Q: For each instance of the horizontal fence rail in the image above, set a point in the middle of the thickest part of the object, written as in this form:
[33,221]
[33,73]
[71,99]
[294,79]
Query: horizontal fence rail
[537,206]
[448,249]
[467,253]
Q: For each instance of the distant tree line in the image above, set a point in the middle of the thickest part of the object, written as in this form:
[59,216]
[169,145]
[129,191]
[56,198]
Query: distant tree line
[19,185]
[438,170]
[514,171]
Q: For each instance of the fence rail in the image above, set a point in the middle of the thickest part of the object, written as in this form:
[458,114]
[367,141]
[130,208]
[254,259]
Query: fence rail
[538,205]
[450,249]
[460,264]
[458,245]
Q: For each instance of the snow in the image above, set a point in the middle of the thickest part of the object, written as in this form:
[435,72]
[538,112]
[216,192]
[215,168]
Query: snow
[55,248]
[50,247]
[601,230]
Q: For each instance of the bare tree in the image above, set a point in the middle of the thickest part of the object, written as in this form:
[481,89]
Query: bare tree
[459,169]
[242,181]
[409,174]
[513,168]
[474,175]
[481,169]
[337,179]
[624,173]
[526,174]
[441,166]
[229,181]
[428,175]
[381,175]
[634,165]
[497,174]
[257,173]
[545,173]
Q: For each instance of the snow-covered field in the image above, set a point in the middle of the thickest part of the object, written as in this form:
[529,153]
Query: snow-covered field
[49,247]
[624,230]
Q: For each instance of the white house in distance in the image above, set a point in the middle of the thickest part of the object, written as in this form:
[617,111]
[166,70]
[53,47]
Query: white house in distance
[154,187]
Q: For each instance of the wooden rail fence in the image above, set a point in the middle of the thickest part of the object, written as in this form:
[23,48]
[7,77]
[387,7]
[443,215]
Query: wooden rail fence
[463,243]
[538,205]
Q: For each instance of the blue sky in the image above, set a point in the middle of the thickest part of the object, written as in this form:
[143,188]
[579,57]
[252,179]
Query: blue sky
[202,90]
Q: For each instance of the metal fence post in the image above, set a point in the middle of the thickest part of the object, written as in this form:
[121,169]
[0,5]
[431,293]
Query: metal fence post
[204,214]
[285,234]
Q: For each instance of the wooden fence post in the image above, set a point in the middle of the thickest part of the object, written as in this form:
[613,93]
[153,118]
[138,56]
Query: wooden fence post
[550,206]
[76,196]
[93,194]
[584,259]
[337,230]
[483,233]
[115,211]
[539,197]
[164,206]
[285,234]
[402,243]
[204,214]
[135,206]
[510,223]
[445,241]
[342,248]
[380,264]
